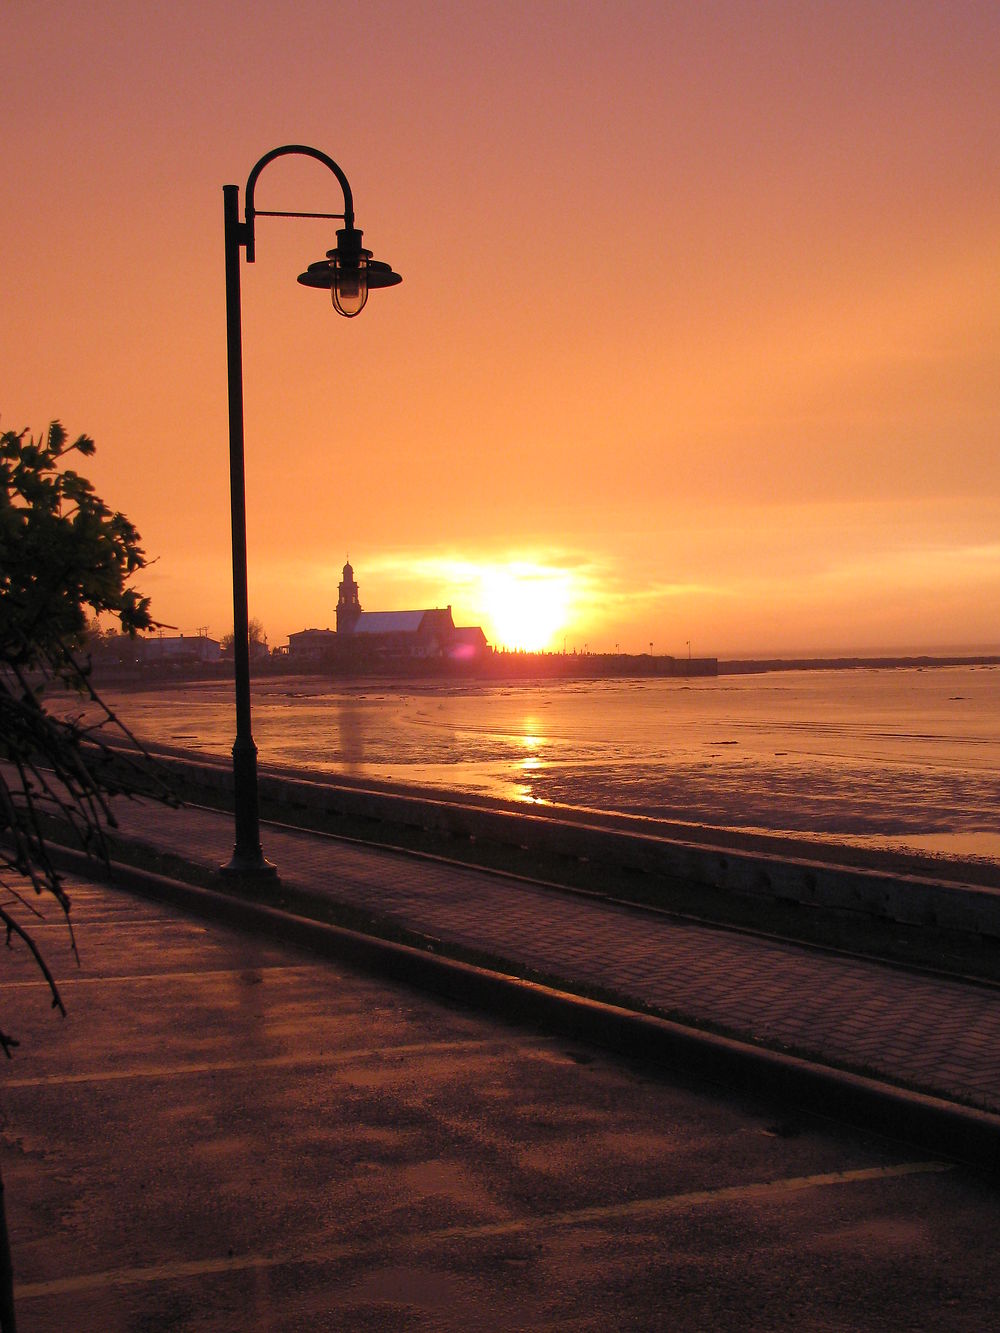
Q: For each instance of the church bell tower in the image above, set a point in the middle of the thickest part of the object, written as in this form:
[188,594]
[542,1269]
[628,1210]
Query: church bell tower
[348,606]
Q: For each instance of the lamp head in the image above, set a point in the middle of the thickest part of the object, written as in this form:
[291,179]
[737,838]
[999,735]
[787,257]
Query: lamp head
[349,272]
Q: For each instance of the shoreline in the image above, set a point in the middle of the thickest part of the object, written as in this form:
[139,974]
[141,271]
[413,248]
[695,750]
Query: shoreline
[526,668]
[138,680]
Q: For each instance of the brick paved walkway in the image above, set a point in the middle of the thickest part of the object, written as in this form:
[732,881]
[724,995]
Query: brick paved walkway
[939,1036]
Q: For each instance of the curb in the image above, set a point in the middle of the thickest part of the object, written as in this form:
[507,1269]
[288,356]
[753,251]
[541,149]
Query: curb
[930,1123]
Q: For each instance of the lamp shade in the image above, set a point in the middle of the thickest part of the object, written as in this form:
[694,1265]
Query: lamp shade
[320,274]
[349,272]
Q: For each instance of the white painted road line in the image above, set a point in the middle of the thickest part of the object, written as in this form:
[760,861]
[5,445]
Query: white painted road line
[674,1203]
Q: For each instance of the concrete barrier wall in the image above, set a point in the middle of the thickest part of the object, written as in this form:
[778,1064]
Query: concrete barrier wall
[905,899]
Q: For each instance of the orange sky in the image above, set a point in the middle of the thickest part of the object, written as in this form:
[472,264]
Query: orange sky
[698,337]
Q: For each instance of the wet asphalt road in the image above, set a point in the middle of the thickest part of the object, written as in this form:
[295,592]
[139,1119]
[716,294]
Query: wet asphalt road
[226,1135]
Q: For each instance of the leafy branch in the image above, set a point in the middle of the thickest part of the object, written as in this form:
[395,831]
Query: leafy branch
[65,557]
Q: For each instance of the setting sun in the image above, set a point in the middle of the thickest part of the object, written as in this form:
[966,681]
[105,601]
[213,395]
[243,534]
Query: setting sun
[525,606]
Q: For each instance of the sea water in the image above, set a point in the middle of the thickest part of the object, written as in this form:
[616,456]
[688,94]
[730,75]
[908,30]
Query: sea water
[895,758]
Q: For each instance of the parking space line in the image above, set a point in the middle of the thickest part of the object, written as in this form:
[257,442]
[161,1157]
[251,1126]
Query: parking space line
[698,1198]
[99,980]
[674,1203]
[185,1070]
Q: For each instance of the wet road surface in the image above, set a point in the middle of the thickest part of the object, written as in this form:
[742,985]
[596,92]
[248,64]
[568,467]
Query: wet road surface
[224,1134]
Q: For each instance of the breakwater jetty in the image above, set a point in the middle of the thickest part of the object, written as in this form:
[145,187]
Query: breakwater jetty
[753,666]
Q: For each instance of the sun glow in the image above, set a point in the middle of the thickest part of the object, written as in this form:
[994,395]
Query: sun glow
[525,606]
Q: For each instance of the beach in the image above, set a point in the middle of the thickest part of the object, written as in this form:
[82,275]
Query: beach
[901,759]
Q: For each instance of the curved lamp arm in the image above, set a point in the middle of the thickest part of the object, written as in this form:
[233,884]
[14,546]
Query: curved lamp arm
[301,150]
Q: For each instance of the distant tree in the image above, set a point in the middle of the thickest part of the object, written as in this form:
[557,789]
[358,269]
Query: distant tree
[258,639]
[65,559]
[108,645]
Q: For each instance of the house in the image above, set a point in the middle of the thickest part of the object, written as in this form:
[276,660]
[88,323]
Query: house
[178,649]
[311,645]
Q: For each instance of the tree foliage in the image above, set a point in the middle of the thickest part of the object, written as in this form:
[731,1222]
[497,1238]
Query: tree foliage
[256,636]
[65,558]
[63,552]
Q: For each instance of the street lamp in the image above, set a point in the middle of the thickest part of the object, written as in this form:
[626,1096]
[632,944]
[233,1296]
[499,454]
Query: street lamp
[349,272]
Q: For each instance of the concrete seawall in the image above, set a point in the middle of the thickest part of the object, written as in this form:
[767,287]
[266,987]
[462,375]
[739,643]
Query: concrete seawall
[907,899]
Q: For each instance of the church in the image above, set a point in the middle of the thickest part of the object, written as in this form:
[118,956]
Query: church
[387,637]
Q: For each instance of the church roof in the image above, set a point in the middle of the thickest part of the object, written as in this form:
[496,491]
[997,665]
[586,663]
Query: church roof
[389,622]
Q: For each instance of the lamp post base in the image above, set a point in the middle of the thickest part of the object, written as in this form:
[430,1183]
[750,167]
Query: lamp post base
[250,869]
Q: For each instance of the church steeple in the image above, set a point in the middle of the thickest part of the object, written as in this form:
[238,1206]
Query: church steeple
[348,605]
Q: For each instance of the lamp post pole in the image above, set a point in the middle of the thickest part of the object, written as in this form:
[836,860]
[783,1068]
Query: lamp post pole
[348,272]
[247,858]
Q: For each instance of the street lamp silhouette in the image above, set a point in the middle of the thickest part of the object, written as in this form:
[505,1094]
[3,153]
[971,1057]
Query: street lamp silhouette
[349,272]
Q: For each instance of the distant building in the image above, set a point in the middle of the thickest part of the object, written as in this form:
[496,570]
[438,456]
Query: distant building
[404,633]
[179,649]
[310,645]
[467,643]
[386,636]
